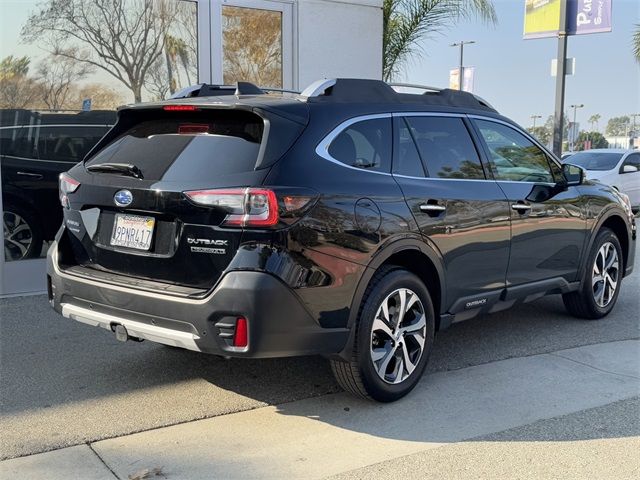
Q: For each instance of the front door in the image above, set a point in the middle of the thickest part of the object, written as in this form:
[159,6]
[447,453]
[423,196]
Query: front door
[461,214]
[548,228]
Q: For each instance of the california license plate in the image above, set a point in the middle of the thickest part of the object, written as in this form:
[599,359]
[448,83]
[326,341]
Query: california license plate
[132,231]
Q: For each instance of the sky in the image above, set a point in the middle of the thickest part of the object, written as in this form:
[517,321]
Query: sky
[514,75]
[511,73]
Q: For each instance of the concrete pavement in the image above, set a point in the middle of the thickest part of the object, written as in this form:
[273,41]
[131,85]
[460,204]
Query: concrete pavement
[334,434]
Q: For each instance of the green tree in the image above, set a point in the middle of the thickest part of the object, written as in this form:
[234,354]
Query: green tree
[542,133]
[407,22]
[17,90]
[122,37]
[11,67]
[593,120]
[618,126]
[596,138]
[636,43]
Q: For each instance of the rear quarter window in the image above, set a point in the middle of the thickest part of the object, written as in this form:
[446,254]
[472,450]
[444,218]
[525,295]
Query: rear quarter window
[365,144]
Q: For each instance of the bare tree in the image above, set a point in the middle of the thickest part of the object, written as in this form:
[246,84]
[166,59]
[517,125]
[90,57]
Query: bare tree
[102,97]
[57,76]
[252,46]
[157,79]
[122,37]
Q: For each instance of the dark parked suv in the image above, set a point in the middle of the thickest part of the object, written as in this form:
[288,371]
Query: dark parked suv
[35,147]
[348,221]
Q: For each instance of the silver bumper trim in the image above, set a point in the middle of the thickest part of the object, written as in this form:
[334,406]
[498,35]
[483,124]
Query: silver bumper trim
[152,333]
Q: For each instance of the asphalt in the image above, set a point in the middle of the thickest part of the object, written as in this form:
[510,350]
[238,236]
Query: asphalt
[64,383]
[494,418]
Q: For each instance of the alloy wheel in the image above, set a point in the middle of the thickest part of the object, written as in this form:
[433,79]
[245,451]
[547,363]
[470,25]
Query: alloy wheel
[606,270]
[18,236]
[398,336]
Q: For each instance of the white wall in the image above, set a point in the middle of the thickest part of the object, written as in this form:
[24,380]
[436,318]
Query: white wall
[338,39]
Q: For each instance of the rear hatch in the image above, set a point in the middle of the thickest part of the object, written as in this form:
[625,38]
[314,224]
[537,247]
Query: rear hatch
[128,218]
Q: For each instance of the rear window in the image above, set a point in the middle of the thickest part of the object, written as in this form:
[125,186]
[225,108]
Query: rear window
[178,146]
[595,160]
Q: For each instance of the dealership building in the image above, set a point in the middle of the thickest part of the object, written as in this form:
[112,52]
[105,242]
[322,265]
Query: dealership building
[284,44]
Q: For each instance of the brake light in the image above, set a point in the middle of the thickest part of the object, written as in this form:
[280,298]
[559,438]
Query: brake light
[246,207]
[67,185]
[179,108]
[189,128]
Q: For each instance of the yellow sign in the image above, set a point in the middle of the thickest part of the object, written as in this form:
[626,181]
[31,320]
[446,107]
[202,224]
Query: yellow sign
[541,18]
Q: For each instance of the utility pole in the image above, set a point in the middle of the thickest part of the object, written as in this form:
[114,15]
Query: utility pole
[573,137]
[534,117]
[461,68]
[558,118]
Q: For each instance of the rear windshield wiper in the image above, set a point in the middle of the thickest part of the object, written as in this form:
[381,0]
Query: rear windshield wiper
[121,168]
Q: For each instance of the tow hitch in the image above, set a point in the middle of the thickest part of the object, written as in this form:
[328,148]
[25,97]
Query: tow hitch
[122,335]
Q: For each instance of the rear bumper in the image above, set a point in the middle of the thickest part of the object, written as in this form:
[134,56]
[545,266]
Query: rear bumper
[278,324]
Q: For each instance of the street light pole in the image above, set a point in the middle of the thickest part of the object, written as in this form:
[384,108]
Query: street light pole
[534,117]
[461,68]
[573,139]
[558,118]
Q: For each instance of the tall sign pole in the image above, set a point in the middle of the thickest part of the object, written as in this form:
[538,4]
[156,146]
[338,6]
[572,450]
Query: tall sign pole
[558,119]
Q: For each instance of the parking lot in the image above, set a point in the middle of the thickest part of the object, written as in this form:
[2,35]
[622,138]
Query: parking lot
[63,383]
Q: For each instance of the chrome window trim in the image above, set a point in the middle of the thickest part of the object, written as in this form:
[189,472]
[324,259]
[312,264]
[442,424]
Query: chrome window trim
[322,149]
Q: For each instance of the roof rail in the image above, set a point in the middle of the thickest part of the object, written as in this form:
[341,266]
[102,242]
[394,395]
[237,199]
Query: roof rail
[319,87]
[240,88]
[414,85]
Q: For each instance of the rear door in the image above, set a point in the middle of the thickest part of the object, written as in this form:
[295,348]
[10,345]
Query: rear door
[548,227]
[461,213]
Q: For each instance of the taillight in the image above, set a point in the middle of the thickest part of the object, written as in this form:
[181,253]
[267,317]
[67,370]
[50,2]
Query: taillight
[67,185]
[256,207]
[245,207]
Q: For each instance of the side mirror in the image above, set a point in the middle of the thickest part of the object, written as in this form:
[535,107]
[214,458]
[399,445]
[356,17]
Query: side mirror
[629,169]
[573,174]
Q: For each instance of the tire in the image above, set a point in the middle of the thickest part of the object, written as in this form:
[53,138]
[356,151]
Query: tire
[598,293]
[388,342]
[22,233]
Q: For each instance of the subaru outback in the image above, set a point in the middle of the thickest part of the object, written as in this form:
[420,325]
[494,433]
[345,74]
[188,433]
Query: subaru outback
[350,221]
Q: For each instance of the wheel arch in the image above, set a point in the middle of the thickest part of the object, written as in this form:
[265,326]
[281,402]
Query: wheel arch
[413,255]
[613,220]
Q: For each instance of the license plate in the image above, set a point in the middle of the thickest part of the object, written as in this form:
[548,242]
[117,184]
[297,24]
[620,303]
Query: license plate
[132,231]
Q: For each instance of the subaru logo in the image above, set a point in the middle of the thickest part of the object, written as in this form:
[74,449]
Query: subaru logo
[123,198]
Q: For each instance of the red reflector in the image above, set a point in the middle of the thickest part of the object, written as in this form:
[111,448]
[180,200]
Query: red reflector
[186,128]
[179,108]
[241,337]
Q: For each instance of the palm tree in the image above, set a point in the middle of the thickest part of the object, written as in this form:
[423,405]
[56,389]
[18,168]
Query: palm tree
[636,43]
[407,22]
[593,120]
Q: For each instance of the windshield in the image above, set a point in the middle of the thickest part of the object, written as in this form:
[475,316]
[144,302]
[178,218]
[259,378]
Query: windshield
[595,160]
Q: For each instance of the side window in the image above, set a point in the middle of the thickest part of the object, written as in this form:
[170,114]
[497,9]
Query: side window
[633,159]
[446,147]
[365,144]
[513,156]
[406,159]
[67,143]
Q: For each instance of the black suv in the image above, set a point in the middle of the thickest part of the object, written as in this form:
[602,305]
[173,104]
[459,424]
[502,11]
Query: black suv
[35,147]
[349,221]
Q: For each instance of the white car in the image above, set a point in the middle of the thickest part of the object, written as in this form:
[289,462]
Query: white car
[616,167]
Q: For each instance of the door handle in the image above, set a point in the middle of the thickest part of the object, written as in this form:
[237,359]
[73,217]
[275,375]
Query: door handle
[521,207]
[37,176]
[432,208]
